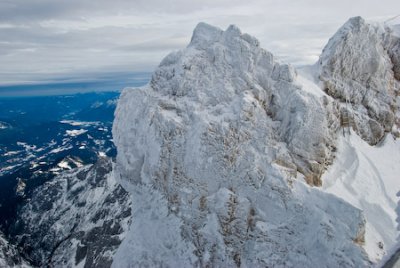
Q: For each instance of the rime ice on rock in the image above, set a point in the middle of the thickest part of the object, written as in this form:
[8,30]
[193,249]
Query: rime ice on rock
[360,67]
[209,151]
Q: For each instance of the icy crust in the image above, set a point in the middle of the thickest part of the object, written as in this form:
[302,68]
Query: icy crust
[78,219]
[359,67]
[209,150]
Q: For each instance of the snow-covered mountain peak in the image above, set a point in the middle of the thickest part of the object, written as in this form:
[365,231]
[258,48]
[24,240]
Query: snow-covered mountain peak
[220,155]
[205,34]
[210,151]
[234,79]
[355,23]
[359,67]
[217,65]
[355,30]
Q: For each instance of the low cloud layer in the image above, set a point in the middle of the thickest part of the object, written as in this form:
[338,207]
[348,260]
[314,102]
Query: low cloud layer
[42,40]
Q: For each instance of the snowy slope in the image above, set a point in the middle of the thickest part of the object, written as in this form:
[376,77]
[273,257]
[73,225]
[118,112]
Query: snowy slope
[210,151]
[368,178]
[360,69]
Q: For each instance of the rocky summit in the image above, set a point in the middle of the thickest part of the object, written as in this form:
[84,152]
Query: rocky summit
[214,150]
[360,68]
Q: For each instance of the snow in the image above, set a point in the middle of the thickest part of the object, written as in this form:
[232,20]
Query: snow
[102,129]
[21,185]
[391,255]
[153,230]
[360,68]
[307,81]
[9,255]
[3,125]
[97,104]
[60,149]
[8,168]
[76,161]
[396,30]
[368,178]
[26,146]
[78,123]
[64,165]
[223,151]
[75,132]
[112,102]
[10,153]
[209,151]
[87,207]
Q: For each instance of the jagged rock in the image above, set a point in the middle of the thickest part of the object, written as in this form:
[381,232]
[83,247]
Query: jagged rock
[78,218]
[208,150]
[358,67]
[226,68]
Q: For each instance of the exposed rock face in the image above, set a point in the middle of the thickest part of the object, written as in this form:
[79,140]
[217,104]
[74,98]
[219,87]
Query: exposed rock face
[360,68]
[78,218]
[209,149]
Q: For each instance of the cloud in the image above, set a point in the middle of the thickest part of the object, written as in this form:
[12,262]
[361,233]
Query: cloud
[46,39]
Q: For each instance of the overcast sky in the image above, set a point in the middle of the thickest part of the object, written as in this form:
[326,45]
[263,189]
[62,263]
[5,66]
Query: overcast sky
[83,40]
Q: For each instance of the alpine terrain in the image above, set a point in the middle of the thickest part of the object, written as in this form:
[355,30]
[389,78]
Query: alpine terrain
[225,151]
[229,158]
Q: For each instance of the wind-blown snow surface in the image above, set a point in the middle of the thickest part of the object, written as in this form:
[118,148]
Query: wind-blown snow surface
[368,178]
[209,151]
[360,69]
